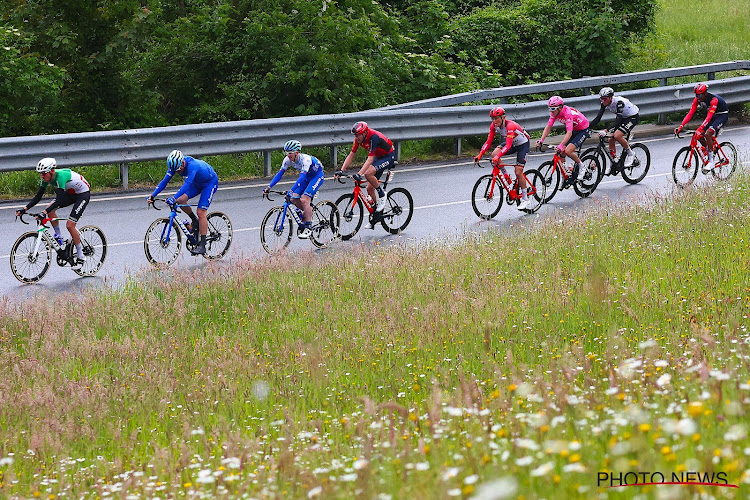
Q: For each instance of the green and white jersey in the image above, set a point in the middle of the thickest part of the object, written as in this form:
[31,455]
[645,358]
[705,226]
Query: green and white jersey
[69,181]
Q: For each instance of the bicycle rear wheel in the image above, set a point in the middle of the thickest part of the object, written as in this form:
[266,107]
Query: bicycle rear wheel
[536,195]
[26,266]
[219,236]
[325,224]
[727,156]
[276,230]
[94,249]
[588,177]
[352,214]
[641,163]
[684,167]
[486,197]
[398,210]
[159,250]
[551,176]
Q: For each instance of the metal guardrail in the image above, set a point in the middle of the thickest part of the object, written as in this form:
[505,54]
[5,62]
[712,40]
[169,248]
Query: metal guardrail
[127,146]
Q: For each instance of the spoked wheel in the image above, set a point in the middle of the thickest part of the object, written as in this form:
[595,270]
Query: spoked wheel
[588,177]
[727,156]
[536,196]
[29,266]
[276,230]
[161,248]
[487,197]
[94,249]
[641,163]
[325,224]
[351,211]
[684,167]
[551,177]
[398,210]
[219,235]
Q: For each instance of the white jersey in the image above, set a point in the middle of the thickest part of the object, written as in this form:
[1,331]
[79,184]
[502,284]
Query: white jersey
[622,106]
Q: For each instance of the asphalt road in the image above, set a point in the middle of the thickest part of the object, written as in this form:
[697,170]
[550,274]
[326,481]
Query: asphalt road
[441,192]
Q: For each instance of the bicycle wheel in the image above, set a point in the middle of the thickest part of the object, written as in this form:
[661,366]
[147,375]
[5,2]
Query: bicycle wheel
[551,176]
[325,224]
[588,177]
[219,235]
[398,210]
[159,250]
[352,214]
[535,181]
[486,204]
[641,163]
[684,167]
[28,267]
[276,230]
[727,155]
[94,249]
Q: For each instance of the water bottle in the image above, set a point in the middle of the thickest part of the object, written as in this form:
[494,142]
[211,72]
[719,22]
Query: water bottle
[60,240]
[505,174]
[188,225]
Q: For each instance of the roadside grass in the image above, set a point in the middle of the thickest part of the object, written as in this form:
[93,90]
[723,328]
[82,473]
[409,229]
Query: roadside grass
[524,363]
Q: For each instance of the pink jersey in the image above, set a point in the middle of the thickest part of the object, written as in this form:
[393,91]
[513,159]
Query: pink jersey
[571,117]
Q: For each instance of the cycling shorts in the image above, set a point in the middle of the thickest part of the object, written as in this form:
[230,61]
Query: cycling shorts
[717,122]
[383,163]
[206,191]
[307,186]
[627,124]
[521,151]
[578,137]
[79,201]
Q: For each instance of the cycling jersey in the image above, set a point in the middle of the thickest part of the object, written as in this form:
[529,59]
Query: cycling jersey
[715,105]
[197,173]
[375,143]
[308,166]
[69,181]
[620,106]
[70,189]
[513,133]
[571,117]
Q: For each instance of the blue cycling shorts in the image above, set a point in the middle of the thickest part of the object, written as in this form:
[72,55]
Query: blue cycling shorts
[307,186]
[383,163]
[578,137]
[717,122]
[206,191]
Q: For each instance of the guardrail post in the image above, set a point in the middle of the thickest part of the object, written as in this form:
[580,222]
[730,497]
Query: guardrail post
[334,157]
[710,75]
[457,147]
[266,163]
[397,148]
[661,119]
[124,175]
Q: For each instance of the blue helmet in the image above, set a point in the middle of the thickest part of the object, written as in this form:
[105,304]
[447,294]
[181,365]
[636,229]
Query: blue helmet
[174,160]
[292,146]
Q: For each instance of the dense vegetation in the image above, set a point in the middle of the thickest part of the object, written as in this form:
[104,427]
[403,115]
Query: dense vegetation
[80,65]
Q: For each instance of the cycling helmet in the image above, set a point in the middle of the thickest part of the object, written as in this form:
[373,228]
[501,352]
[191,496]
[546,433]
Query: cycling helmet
[45,165]
[360,128]
[700,89]
[555,102]
[606,92]
[497,112]
[292,146]
[174,160]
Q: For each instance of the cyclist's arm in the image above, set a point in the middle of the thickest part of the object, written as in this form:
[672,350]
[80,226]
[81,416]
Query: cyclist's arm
[508,143]
[487,145]
[711,111]
[618,121]
[189,180]
[545,133]
[598,118]
[37,196]
[279,174]
[367,163]
[162,184]
[690,113]
[349,159]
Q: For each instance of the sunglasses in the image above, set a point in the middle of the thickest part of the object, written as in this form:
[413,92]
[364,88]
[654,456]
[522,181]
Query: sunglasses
[553,108]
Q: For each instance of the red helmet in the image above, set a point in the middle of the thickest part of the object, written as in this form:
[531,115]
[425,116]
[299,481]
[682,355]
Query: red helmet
[360,128]
[497,112]
[700,89]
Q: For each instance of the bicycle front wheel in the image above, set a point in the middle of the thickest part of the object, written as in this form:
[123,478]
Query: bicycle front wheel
[276,230]
[94,249]
[398,210]
[219,235]
[537,191]
[551,176]
[589,176]
[487,197]
[162,243]
[726,156]
[641,163]
[352,214]
[325,224]
[28,265]
[684,167]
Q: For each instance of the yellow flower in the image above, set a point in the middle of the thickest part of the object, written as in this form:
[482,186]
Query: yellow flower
[564,453]
[512,387]
[695,408]
[467,490]
[717,452]
[575,457]
[696,437]
[187,485]
[644,427]
[666,450]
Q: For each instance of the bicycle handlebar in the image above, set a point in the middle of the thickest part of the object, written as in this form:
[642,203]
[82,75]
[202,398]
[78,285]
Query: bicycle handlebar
[268,194]
[37,216]
[690,132]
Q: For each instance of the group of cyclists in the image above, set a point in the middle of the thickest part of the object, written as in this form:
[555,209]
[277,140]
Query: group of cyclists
[71,188]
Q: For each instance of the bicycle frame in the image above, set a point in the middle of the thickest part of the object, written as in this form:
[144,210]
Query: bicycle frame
[43,229]
[167,231]
[360,190]
[281,219]
[697,150]
[510,186]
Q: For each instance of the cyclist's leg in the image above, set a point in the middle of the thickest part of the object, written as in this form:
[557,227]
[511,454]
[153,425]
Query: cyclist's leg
[624,129]
[521,151]
[191,192]
[308,193]
[207,195]
[575,142]
[79,205]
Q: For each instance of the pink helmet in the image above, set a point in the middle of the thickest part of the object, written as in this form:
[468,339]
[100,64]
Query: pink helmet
[555,102]
[497,112]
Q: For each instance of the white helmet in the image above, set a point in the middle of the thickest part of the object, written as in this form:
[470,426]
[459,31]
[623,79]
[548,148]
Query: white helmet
[174,160]
[45,165]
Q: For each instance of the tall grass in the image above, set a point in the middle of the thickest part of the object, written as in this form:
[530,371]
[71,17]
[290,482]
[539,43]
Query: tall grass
[614,340]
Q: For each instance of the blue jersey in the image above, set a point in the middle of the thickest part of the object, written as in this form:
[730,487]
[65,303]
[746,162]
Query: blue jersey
[197,173]
[308,166]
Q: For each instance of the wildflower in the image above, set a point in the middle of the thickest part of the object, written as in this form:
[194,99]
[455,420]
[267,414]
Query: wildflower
[664,380]
[542,470]
[644,427]
[498,489]
[315,492]
[695,408]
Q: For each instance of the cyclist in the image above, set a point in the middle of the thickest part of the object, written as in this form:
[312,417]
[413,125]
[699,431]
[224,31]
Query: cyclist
[309,181]
[200,178]
[626,118]
[716,117]
[380,157]
[576,131]
[70,189]
[516,141]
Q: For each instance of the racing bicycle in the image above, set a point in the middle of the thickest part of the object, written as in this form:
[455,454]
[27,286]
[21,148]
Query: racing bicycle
[686,161]
[556,178]
[163,239]
[487,195]
[31,254]
[278,224]
[633,174]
